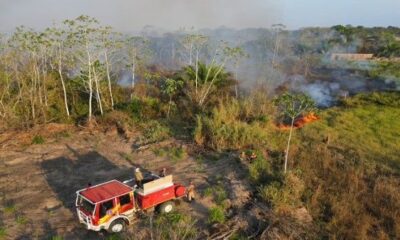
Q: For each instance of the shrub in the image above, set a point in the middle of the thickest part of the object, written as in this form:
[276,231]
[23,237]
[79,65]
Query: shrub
[225,130]
[216,215]
[279,194]
[145,108]
[176,153]
[38,139]
[154,132]
[260,169]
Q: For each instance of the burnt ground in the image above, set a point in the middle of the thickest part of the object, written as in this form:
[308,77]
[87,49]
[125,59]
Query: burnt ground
[38,181]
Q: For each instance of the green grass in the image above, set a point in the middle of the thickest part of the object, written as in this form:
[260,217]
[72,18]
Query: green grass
[10,209]
[57,238]
[114,237]
[174,153]
[21,220]
[174,225]
[216,215]
[3,233]
[38,139]
[371,131]
[218,193]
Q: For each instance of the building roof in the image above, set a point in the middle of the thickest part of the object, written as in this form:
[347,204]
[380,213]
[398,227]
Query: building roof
[105,191]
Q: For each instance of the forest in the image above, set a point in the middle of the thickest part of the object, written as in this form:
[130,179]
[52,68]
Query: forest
[225,93]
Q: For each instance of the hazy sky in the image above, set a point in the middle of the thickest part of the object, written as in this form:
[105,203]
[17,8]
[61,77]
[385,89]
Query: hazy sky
[129,15]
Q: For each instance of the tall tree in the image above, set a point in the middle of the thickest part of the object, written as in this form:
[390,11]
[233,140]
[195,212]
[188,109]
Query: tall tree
[83,31]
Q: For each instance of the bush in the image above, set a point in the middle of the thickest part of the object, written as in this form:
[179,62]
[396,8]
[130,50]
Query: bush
[38,139]
[260,169]
[176,153]
[154,132]
[145,108]
[224,129]
[216,215]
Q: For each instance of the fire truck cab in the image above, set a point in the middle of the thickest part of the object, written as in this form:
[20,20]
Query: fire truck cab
[113,205]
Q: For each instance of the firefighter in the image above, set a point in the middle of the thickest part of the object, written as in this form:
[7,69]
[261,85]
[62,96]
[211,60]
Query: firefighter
[138,177]
[163,172]
[190,192]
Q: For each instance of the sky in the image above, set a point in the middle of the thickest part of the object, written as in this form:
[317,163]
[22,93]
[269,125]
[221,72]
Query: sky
[133,15]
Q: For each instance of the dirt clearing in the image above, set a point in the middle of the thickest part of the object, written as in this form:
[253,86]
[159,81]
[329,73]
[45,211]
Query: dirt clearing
[38,181]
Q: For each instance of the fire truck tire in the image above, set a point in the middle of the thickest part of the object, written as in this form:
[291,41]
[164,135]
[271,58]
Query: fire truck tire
[166,207]
[117,226]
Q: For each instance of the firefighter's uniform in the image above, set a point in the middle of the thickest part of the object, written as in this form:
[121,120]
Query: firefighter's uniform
[190,192]
[138,177]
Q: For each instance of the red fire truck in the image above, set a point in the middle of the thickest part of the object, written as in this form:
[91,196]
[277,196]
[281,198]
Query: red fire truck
[113,205]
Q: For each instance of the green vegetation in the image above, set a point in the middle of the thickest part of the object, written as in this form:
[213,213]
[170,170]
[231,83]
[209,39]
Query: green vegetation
[38,139]
[154,132]
[57,238]
[218,192]
[174,153]
[10,208]
[21,220]
[343,169]
[216,215]
[3,233]
[174,226]
[234,125]
[114,236]
[387,71]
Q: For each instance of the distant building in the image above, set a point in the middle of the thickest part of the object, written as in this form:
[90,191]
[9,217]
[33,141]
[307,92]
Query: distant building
[351,56]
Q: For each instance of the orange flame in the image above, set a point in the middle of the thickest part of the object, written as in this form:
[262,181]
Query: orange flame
[300,122]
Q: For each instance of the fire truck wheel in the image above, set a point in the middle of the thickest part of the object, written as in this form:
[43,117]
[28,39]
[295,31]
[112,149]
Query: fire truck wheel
[166,207]
[117,226]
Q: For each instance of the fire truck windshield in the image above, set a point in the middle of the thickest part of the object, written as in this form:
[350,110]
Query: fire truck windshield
[85,205]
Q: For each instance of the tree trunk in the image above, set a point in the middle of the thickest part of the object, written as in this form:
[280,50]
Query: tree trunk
[204,96]
[133,74]
[62,80]
[109,80]
[197,70]
[98,97]
[288,145]
[190,54]
[89,82]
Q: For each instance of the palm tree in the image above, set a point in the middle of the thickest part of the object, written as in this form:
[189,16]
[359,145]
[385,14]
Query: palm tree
[203,82]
